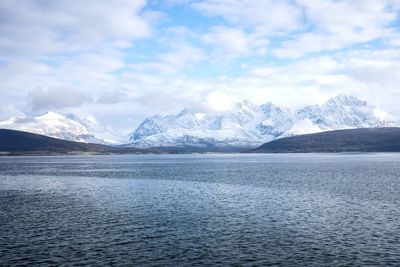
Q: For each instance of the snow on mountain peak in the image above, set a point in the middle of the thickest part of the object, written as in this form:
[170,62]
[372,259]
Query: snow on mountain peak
[249,124]
[346,100]
[200,115]
[247,105]
[63,126]
[183,112]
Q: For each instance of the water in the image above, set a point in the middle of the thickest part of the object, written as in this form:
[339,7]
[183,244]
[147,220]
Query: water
[193,210]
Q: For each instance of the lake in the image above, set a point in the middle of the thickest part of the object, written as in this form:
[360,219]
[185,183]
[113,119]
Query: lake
[201,210]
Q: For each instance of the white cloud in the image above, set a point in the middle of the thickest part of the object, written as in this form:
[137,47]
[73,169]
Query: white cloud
[265,17]
[34,28]
[234,42]
[67,43]
[356,16]
[48,49]
[180,56]
[9,110]
[219,101]
[93,56]
[230,40]
[340,24]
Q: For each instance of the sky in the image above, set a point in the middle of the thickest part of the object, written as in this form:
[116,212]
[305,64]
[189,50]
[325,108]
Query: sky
[124,60]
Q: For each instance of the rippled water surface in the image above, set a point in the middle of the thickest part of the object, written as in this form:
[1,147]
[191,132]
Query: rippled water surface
[188,210]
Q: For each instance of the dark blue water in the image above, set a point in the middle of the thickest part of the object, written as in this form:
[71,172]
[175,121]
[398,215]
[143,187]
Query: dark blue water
[194,210]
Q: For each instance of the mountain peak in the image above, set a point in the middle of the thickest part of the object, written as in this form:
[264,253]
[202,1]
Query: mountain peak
[346,100]
[183,112]
[268,107]
[247,105]
[64,126]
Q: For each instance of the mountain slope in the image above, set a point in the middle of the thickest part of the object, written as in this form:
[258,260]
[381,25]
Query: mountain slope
[249,125]
[67,127]
[96,129]
[352,140]
[23,143]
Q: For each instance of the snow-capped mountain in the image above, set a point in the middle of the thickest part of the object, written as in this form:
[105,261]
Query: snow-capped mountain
[62,126]
[251,125]
[98,130]
[247,125]
[342,112]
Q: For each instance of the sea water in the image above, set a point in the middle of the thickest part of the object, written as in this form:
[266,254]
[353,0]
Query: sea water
[201,210]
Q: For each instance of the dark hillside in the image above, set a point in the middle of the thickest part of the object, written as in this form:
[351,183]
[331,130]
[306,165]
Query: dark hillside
[23,143]
[353,140]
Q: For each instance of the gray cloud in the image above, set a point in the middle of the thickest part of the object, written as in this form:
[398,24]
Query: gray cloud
[55,98]
[113,97]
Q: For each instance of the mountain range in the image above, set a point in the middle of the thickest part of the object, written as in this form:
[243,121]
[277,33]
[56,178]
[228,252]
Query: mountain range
[250,125]
[245,125]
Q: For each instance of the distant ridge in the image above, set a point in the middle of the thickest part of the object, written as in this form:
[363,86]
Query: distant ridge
[14,142]
[353,140]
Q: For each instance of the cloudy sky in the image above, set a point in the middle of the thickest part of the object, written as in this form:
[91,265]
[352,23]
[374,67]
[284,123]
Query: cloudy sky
[121,61]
